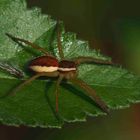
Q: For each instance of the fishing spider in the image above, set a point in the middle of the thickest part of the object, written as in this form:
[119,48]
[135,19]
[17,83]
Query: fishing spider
[49,66]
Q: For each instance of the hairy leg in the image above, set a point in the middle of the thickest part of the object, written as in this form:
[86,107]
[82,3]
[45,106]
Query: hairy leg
[28,43]
[59,45]
[91,93]
[82,59]
[10,69]
[20,86]
[57,91]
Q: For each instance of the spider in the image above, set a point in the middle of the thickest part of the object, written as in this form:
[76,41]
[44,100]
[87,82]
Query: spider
[49,66]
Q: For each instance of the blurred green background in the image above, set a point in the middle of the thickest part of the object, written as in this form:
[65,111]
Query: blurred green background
[113,26]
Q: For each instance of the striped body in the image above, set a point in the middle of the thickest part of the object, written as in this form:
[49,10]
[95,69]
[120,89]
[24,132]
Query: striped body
[66,66]
[44,64]
[51,64]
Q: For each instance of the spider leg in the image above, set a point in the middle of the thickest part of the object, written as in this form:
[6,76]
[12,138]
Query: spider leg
[82,59]
[57,91]
[10,69]
[59,45]
[91,93]
[18,40]
[20,86]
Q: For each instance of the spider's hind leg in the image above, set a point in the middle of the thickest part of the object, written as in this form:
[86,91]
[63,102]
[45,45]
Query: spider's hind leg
[20,86]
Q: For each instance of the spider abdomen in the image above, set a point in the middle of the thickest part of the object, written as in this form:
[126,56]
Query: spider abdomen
[66,66]
[44,64]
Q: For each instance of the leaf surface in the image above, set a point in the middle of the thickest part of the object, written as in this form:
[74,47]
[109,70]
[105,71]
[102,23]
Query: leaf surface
[34,105]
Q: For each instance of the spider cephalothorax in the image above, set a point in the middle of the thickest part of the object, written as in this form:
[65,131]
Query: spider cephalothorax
[68,69]
[67,66]
[49,66]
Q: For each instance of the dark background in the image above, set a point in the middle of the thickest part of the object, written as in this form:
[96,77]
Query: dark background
[113,26]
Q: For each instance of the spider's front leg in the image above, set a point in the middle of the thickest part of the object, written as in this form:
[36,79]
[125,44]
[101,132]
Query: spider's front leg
[57,90]
[59,46]
[91,93]
[69,70]
[81,59]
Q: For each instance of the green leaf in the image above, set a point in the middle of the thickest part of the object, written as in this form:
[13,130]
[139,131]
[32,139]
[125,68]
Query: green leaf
[34,105]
